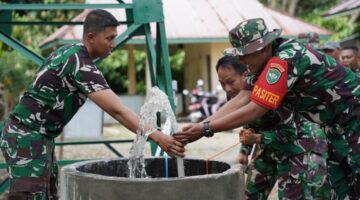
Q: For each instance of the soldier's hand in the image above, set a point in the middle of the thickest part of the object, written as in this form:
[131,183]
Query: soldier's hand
[168,144]
[189,133]
[248,136]
[243,158]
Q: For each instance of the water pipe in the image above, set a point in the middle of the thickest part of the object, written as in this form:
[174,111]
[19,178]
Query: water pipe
[180,167]
[252,152]
[166,165]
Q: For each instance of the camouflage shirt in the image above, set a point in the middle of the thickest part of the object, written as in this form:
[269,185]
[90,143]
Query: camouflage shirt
[326,92]
[283,133]
[58,90]
[357,71]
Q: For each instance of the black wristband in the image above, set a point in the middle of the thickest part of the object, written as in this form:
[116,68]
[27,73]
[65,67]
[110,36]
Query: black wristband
[207,130]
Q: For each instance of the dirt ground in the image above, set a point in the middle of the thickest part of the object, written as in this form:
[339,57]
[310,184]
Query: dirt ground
[201,149]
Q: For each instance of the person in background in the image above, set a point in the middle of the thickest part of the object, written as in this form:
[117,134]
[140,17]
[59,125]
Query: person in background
[349,57]
[64,81]
[310,38]
[277,160]
[333,49]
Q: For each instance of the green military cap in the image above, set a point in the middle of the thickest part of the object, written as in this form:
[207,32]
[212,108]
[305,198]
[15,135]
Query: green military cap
[310,38]
[250,36]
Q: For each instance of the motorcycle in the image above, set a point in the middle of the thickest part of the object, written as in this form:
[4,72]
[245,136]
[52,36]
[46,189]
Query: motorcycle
[202,104]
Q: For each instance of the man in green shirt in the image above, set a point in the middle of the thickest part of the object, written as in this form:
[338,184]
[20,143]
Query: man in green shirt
[62,84]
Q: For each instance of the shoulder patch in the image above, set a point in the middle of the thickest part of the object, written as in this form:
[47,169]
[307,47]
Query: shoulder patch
[271,86]
[274,72]
[273,75]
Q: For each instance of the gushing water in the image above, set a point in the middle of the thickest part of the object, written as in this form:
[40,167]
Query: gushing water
[157,101]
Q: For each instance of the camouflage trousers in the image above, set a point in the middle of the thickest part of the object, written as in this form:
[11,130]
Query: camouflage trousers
[31,165]
[297,179]
[344,166]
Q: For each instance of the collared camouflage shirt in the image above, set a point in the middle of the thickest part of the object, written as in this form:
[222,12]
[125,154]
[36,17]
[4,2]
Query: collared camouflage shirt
[58,90]
[284,133]
[326,92]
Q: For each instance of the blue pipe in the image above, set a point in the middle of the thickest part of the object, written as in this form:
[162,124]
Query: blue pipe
[166,165]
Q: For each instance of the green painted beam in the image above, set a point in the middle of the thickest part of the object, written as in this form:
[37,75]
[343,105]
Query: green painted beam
[21,48]
[62,6]
[151,53]
[68,162]
[6,15]
[142,41]
[63,143]
[159,64]
[128,33]
[166,69]
[43,23]
[147,11]
[113,150]
[4,185]
[169,40]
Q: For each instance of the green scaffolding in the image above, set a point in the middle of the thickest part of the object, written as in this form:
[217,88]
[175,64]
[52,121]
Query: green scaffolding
[139,15]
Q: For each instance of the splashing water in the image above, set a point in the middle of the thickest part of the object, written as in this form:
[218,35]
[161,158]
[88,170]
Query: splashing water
[157,101]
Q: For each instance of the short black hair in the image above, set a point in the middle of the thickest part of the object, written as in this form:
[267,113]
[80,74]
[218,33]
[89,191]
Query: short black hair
[353,48]
[231,62]
[97,20]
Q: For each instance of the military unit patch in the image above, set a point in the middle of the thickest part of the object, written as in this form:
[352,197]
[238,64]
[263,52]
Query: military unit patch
[274,73]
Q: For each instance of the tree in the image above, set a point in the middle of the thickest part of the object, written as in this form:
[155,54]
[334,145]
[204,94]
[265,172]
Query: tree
[310,11]
[299,8]
[16,73]
[15,70]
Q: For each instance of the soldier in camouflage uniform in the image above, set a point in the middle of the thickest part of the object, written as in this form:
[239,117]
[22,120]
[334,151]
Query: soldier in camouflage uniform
[350,57]
[288,75]
[264,170]
[310,38]
[317,173]
[64,81]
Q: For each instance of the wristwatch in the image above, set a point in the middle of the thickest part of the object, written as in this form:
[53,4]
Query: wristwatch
[207,130]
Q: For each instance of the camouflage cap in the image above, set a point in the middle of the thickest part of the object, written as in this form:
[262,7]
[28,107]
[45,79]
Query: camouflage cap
[250,36]
[310,38]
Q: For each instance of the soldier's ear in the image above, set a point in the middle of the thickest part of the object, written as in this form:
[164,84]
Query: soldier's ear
[90,37]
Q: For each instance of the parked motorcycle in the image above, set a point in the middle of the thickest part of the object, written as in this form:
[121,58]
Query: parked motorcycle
[202,104]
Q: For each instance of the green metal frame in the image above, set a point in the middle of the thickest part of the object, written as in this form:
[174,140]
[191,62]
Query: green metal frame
[139,16]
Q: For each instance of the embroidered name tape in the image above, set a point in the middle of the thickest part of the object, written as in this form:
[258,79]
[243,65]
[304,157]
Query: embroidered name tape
[271,87]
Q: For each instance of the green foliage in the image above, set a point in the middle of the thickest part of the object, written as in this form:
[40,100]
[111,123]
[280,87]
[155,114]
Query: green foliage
[16,73]
[311,11]
[115,66]
[140,64]
[114,69]
[309,7]
[339,25]
[33,35]
[304,7]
